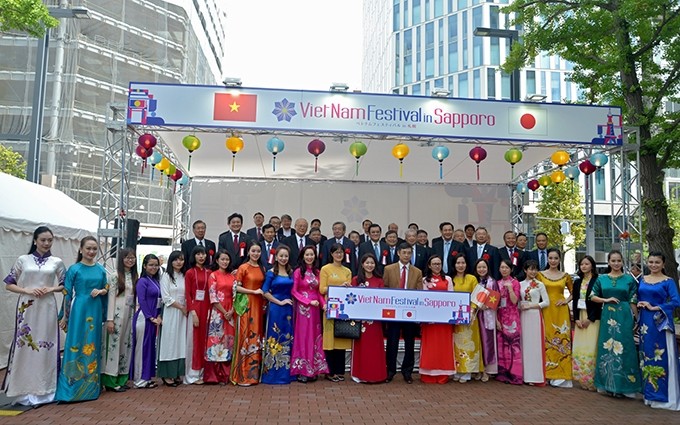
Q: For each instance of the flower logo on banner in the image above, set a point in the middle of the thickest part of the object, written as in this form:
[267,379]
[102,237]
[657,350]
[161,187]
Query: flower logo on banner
[354,209]
[284,110]
[350,298]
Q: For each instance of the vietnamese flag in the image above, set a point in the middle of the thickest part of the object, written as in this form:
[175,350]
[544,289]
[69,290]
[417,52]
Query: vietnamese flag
[389,313]
[235,107]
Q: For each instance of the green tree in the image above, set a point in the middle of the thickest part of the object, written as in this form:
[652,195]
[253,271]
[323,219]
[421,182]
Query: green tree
[12,162]
[561,202]
[30,16]
[625,53]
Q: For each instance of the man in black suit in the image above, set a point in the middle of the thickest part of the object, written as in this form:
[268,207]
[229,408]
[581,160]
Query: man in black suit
[276,222]
[522,241]
[513,254]
[391,240]
[285,230]
[255,233]
[481,249]
[234,240]
[392,227]
[339,230]
[316,237]
[469,235]
[268,244]
[316,223]
[447,248]
[540,254]
[422,238]
[419,255]
[366,225]
[188,245]
[376,247]
[297,240]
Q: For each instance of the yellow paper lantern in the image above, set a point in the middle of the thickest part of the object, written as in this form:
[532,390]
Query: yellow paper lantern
[163,164]
[400,151]
[234,144]
[558,176]
[560,158]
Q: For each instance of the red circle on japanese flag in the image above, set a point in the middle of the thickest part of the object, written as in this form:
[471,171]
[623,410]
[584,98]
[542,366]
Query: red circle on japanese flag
[481,296]
[527,121]
[409,314]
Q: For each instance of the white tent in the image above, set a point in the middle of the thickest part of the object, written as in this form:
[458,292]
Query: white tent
[24,207]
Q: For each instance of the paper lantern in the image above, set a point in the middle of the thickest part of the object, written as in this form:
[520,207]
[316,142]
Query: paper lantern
[478,154]
[533,185]
[147,141]
[170,170]
[587,167]
[560,158]
[599,159]
[558,176]
[191,143]
[316,147]
[234,144]
[274,146]
[572,172]
[175,177]
[143,153]
[184,180]
[522,187]
[513,156]
[400,151]
[154,159]
[358,149]
[545,181]
[440,153]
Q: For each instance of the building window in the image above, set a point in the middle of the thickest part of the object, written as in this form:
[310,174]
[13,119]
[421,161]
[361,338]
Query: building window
[476,84]
[439,83]
[505,85]
[440,46]
[531,82]
[427,10]
[438,8]
[465,41]
[419,41]
[416,12]
[477,41]
[673,190]
[396,17]
[462,4]
[397,60]
[493,16]
[408,58]
[545,60]
[495,53]
[463,90]
[427,88]
[555,87]
[567,89]
[406,14]
[491,83]
[453,43]
[429,50]
[416,89]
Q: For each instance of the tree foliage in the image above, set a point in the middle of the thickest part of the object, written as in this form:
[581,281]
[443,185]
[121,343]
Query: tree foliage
[12,162]
[625,53]
[30,16]
[561,202]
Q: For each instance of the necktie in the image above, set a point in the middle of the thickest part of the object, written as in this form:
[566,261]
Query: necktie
[480,249]
[376,249]
[269,248]
[200,243]
[259,234]
[542,265]
[445,263]
[402,281]
[392,254]
[302,245]
[510,252]
[413,256]
[236,244]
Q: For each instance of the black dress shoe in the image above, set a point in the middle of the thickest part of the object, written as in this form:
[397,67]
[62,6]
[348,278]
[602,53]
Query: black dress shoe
[390,377]
[408,379]
[303,379]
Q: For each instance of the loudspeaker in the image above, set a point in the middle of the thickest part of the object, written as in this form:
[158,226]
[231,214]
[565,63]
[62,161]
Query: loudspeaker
[131,236]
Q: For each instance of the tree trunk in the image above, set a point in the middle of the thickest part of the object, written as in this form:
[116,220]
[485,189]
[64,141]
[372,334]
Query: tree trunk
[655,207]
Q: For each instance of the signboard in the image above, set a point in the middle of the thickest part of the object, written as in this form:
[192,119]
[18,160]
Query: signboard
[398,305]
[168,105]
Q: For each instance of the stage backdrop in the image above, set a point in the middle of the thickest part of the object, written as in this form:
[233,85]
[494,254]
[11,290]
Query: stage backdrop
[351,202]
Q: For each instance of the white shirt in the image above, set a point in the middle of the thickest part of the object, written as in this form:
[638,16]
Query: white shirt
[198,242]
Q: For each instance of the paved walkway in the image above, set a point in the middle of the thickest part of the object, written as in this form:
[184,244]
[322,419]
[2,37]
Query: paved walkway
[350,403]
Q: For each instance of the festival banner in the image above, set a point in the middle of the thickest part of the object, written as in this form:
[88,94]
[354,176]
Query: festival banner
[398,305]
[172,105]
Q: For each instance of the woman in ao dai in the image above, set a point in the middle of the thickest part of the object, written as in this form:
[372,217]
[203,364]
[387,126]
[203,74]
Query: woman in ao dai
[172,345]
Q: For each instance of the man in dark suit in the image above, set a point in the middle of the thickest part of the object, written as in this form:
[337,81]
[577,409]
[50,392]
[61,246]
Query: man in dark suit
[522,242]
[268,244]
[297,240]
[285,230]
[447,248]
[438,238]
[422,238]
[469,235]
[188,245]
[366,225]
[276,222]
[481,249]
[234,240]
[316,223]
[315,235]
[540,254]
[375,246]
[402,275]
[391,240]
[511,253]
[255,233]
[392,227]
[339,230]
[419,254]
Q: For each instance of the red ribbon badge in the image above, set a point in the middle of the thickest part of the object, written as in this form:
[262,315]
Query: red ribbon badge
[384,257]
[347,251]
[485,257]
[454,253]
[242,245]
[515,258]
[272,252]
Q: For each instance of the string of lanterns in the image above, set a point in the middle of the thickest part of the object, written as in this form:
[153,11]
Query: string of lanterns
[145,144]
[561,158]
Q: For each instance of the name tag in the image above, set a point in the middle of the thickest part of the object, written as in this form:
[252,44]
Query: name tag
[200,295]
[581,304]
[159,303]
[504,302]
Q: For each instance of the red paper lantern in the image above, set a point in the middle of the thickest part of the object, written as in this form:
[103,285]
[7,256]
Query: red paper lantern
[143,153]
[478,154]
[533,185]
[147,141]
[316,147]
[587,167]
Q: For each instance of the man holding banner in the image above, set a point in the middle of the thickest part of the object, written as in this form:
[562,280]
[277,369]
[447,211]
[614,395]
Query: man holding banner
[402,275]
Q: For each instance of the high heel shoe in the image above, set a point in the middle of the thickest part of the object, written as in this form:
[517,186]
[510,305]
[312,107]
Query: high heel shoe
[172,383]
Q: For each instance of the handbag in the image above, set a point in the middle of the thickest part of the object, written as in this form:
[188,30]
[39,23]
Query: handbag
[350,329]
[240,303]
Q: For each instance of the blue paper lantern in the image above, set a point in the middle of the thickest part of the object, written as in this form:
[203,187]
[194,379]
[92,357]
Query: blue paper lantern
[522,187]
[184,180]
[440,153]
[275,145]
[572,172]
[598,159]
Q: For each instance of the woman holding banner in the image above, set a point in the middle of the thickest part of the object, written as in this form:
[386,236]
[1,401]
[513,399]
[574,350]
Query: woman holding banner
[487,322]
[467,342]
[437,364]
[368,352]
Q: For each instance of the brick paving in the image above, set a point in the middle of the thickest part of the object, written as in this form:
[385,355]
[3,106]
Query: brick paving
[350,403]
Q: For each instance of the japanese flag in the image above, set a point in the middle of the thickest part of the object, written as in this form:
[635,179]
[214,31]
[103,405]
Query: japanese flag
[527,121]
[408,314]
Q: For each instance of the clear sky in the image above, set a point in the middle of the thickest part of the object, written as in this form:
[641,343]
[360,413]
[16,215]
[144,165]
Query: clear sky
[295,44]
